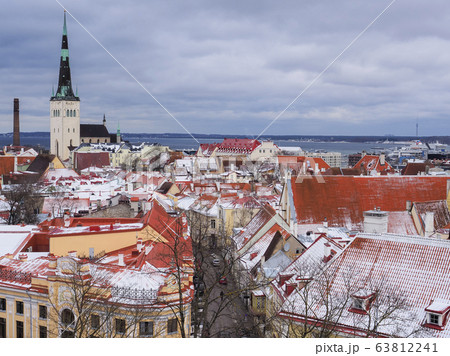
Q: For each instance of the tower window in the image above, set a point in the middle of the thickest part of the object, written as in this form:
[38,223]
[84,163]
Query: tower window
[75,113]
[74,130]
[68,113]
[68,130]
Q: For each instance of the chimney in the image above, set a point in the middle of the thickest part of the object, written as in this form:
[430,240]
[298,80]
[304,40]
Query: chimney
[139,245]
[66,219]
[52,262]
[382,159]
[326,251]
[429,223]
[408,206]
[23,257]
[121,262]
[16,136]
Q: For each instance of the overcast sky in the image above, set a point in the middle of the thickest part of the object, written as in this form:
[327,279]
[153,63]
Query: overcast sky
[231,67]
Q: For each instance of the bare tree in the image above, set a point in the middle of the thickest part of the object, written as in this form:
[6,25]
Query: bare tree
[85,304]
[23,201]
[315,307]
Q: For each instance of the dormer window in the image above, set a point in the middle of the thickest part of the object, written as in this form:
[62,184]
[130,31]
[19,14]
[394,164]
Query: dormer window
[361,301]
[434,319]
[437,314]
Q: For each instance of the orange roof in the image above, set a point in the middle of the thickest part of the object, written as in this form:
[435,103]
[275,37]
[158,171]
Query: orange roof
[343,199]
[369,163]
[6,164]
[297,162]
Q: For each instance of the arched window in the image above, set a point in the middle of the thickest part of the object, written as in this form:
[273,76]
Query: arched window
[74,113]
[98,140]
[74,130]
[82,140]
[90,141]
[68,130]
[68,113]
[67,317]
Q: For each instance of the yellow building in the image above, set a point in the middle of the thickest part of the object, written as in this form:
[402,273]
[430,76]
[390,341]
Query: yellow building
[129,288]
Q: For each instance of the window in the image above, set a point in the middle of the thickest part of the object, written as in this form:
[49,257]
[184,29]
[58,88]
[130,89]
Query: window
[213,224]
[67,113]
[172,326]
[75,113]
[19,307]
[42,312]
[434,319]
[146,328]
[120,326]
[95,321]
[67,317]
[2,304]
[74,130]
[2,328]
[68,130]
[19,329]
[358,303]
[42,332]
[260,302]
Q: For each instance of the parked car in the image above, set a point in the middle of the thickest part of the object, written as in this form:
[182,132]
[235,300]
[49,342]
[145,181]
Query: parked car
[223,280]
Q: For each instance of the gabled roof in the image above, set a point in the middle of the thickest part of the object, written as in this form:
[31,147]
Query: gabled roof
[370,163]
[256,224]
[343,199]
[413,168]
[415,269]
[93,130]
[238,145]
[261,247]
[41,163]
[440,210]
[85,160]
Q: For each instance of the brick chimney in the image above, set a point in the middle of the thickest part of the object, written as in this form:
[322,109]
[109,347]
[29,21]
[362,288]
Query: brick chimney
[16,135]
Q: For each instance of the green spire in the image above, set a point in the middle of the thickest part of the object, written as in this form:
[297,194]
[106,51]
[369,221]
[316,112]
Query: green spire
[65,27]
[64,84]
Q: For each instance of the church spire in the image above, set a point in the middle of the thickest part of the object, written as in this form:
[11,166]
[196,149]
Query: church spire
[65,90]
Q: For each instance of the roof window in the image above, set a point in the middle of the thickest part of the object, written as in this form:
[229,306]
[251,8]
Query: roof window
[437,314]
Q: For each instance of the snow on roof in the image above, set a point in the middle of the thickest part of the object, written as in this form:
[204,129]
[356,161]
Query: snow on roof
[401,222]
[343,199]
[95,229]
[254,253]
[258,221]
[54,174]
[275,264]
[415,269]
[12,236]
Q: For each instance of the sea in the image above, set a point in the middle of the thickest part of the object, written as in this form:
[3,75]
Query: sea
[182,143]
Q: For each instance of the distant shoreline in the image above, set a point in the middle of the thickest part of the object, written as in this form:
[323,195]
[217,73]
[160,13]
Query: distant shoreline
[294,138]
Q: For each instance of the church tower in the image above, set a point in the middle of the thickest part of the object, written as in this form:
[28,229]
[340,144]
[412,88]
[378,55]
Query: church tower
[64,108]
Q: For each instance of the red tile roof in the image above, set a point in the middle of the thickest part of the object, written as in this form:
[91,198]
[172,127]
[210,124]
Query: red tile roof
[238,145]
[372,163]
[343,199]
[411,268]
[91,159]
[413,169]
[296,162]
